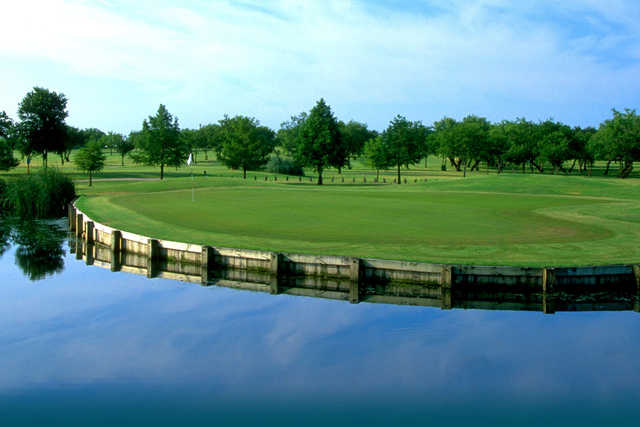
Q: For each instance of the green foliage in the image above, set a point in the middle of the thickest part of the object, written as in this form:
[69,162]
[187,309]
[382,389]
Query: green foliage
[3,195]
[115,141]
[619,139]
[404,142]
[245,144]
[320,143]
[5,125]
[92,134]
[354,136]
[75,139]
[159,143]
[288,136]
[279,165]
[42,114]
[374,151]
[40,250]
[7,161]
[90,158]
[42,195]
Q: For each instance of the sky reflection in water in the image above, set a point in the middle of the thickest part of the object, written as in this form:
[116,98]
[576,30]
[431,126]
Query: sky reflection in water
[88,344]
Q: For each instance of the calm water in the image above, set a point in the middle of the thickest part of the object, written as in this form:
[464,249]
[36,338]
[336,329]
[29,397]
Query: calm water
[81,345]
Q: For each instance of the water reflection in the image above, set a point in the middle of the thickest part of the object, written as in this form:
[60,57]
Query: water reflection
[100,348]
[621,297]
[39,246]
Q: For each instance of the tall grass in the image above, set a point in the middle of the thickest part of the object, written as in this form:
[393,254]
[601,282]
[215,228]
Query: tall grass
[41,195]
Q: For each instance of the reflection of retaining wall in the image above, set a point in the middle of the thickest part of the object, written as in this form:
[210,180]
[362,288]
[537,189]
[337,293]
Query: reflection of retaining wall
[346,273]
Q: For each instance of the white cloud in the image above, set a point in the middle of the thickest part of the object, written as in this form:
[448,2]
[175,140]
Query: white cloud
[273,61]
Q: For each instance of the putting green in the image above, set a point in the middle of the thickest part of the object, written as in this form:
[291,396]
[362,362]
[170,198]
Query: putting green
[422,223]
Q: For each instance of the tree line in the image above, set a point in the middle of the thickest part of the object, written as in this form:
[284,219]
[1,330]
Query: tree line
[318,140]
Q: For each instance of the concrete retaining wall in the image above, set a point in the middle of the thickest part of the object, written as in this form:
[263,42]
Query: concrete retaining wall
[346,277]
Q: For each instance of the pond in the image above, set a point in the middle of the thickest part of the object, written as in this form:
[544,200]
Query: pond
[84,345]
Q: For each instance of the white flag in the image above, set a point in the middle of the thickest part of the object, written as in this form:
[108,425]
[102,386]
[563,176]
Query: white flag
[189,160]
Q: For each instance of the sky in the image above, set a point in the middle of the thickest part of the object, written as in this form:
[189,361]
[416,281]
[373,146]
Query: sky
[116,61]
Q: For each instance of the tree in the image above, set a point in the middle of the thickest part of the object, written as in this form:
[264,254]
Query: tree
[92,134]
[288,136]
[403,141]
[42,114]
[447,140]
[7,161]
[523,144]
[619,139]
[555,149]
[319,138]
[75,139]
[6,124]
[245,144]
[115,141]
[159,143]
[124,146]
[376,154]
[90,158]
[354,136]
[578,147]
[209,138]
[499,143]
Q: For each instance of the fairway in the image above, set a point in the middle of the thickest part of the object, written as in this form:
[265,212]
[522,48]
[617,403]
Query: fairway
[449,221]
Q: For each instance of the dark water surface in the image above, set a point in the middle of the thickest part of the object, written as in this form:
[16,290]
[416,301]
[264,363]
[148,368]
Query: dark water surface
[80,345]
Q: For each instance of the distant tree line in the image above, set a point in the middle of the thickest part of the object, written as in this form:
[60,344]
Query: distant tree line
[318,141]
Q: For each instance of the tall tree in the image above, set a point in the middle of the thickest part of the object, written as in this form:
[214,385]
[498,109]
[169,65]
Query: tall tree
[354,136]
[376,154]
[403,141]
[42,114]
[123,146]
[288,136]
[619,138]
[90,159]
[245,144]
[6,124]
[159,143]
[319,138]
[7,161]
[75,139]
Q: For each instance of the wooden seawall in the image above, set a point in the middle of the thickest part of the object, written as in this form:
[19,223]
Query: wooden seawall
[350,278]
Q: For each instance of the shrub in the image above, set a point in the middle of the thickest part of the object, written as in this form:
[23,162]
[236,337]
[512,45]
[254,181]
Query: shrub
[3,192]
[284,166]
[42,195]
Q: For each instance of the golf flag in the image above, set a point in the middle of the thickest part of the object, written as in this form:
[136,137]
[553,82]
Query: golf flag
[189,160]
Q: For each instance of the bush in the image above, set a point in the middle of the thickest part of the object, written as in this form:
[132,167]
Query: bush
[284,166]
[42,195]
[3,192]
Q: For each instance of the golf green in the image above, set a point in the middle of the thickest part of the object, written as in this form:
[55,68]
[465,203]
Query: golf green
[434,223]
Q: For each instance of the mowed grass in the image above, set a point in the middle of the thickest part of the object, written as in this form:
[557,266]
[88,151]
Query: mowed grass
[492,220]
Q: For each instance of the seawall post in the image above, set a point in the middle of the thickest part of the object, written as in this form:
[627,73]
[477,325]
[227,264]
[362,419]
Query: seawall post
[548,280]
[355,274]
[153,248]
[89,255]
[446,287]
[116,247]
[79,223]
[205,262]
[275,268]
[89,227]
[72,216]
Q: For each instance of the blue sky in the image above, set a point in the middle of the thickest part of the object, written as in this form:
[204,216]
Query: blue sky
[116,61]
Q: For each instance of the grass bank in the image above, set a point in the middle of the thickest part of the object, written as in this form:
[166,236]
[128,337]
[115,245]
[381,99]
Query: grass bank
[485,219]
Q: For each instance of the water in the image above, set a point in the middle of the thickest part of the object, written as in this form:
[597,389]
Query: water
[81,345]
